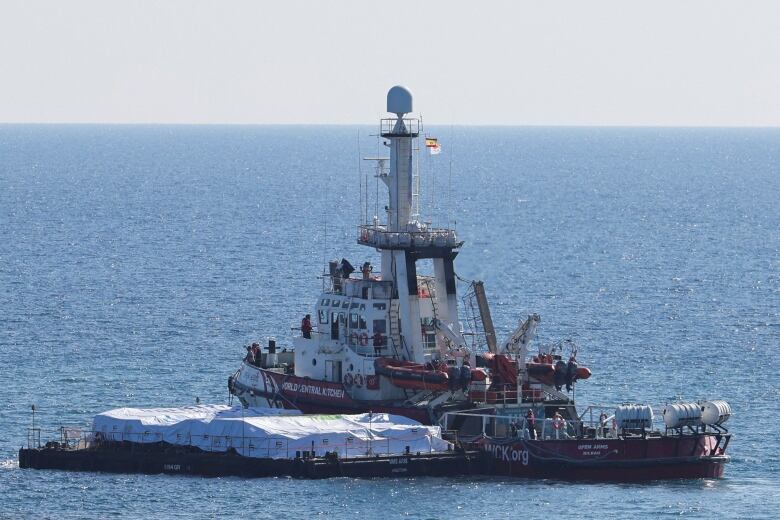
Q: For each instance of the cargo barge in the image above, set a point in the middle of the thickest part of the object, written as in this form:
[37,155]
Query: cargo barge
[175,460]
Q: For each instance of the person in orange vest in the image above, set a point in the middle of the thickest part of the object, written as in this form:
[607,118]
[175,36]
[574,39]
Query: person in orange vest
[306,326]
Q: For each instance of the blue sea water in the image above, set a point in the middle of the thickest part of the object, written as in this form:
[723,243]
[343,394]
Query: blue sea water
[136,261]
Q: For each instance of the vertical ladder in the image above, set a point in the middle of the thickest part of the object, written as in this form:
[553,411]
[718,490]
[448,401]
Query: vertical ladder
[414,214]
[395,327]
[432,296]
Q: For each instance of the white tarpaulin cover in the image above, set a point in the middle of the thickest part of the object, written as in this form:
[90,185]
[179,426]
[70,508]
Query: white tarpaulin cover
[269,432]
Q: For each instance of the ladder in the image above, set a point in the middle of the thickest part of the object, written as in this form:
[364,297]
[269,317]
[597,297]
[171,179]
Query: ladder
[395,327]
[432,295]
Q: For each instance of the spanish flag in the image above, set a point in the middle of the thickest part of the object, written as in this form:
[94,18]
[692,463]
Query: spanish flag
[431,142]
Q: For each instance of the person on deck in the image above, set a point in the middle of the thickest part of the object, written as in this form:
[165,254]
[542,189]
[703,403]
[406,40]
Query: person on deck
[530,424]
[379,342]
[306,326]
[256,354]
[559,426]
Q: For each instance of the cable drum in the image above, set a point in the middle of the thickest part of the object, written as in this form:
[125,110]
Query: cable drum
[715,412]
[682,414]
[634,416]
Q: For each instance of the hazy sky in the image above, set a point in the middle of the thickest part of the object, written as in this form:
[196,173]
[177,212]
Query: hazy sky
[288,61]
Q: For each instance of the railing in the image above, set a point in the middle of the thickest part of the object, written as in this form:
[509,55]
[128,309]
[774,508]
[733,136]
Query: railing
[381,237]
[508,427]
[387,126]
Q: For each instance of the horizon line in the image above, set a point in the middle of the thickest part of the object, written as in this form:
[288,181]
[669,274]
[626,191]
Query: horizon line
[502,125]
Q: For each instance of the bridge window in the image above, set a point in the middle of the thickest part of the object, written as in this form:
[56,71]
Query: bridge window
[356,321]
[323,316]
[380,326]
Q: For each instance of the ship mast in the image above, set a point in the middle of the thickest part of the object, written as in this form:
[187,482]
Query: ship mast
[402,239]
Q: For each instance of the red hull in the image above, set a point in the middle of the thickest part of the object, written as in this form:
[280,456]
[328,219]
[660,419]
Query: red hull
[622,460]
[317,397]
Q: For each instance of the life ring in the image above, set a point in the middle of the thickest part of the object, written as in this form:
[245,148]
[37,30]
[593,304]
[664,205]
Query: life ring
[353,338]
[358,380]
[348,380]
[364,339]
[558,422]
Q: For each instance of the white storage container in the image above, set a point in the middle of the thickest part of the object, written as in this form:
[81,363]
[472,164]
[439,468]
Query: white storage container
[715,412]
[634,416]
[682,414]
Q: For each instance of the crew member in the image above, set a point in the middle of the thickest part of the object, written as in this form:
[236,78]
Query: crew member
[559,426]
[530,424]
[256,354]
[379,342]
[306,326]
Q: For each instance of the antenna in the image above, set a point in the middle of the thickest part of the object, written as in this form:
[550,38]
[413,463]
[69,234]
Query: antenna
[360,181]
[449,186]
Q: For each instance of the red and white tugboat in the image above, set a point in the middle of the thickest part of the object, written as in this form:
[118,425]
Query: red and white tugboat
[393,342]
[388,341]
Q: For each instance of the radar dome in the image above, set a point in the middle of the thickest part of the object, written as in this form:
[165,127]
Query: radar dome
[399,100]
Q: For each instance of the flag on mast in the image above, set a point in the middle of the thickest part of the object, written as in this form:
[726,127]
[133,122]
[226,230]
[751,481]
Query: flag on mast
[433,145]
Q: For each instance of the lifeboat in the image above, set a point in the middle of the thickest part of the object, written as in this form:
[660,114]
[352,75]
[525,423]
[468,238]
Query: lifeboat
[546,372]
[414,376]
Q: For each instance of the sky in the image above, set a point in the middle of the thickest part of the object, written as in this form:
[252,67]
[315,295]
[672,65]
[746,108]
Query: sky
[540,62]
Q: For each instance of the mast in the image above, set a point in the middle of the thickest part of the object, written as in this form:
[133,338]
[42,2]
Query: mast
[402,239]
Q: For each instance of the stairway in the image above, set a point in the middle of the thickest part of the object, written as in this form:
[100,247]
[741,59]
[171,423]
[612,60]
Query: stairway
[395,328]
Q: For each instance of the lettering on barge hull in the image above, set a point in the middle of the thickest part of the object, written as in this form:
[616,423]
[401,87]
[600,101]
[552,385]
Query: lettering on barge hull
[507,453]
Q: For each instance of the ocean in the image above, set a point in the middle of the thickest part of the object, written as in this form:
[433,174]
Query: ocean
[137,261]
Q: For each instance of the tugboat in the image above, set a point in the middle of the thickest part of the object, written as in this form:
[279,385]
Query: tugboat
[394,342]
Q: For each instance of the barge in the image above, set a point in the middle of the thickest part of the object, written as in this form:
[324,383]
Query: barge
[131,458]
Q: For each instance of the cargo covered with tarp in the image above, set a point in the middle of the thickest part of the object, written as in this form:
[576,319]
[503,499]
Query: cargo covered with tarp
[269,432]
